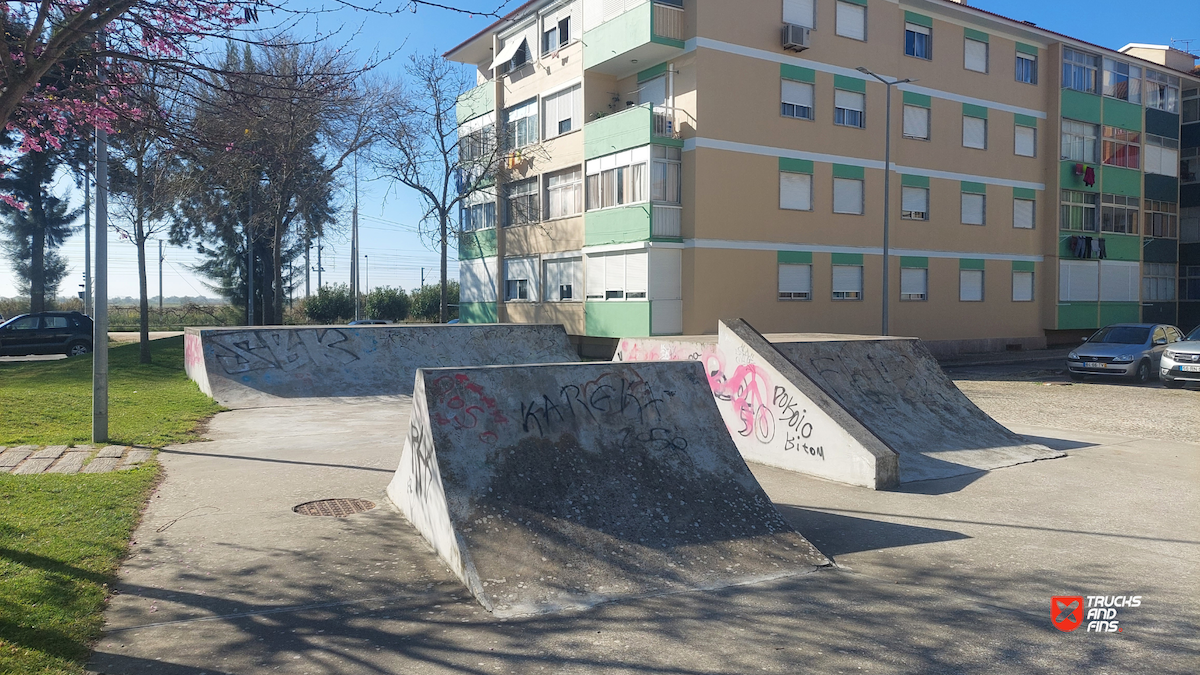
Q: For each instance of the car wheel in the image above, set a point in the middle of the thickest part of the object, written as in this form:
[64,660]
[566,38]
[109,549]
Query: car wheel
[78,349]
[1173,384]
[1142,376]
[1076,377]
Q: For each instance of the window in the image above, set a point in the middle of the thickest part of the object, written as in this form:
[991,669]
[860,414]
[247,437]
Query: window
[520,279]
[617,179]
[1189,166]
[795,282]
[848,107]
[1162,155]
[521,203]
[970,285]
[851,20]
[1078,280]
[1122,81]
[973,208]
[24,323]
[795,191]
[1026,68]
[914,284]
[1189,282]
[914,203]
[1078,211]
[653,91]
[1023,213]
[916,122]
[1025,141]
[797,100]
[1119,214]
[847,196]
[1162,91]
[564,194]
[665,172]
[1022,286]
[1191,105]
[563,279]
[617,276]
[521,127]
[799,13]
[477,144]
[1158,282]
[556,32]
[562,112]
[1162,219]
[1189,226]
[974,132]
[479,216]
[847,282]
[918,41]
[1079,141]
[975,55]
[1079,71]
[1122,147]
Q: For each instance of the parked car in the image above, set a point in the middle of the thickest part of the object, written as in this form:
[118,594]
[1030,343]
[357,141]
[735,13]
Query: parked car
[1181,361]
[369,322]
[67,333]
[1123,349]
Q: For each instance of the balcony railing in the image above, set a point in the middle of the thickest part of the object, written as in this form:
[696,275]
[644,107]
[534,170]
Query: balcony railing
[665,122]
[668,20]
[666,221]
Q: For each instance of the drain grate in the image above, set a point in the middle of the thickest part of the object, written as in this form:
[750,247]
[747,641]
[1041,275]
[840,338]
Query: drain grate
[338,508]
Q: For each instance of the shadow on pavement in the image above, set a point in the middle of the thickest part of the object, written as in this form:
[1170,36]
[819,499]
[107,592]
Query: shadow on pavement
[835,534]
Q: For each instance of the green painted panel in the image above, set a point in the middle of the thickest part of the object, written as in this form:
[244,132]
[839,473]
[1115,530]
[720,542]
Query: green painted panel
[797,73]
[795,165]
[1022,265]
[1162,123]
[848,171]
[1077,105]
[477,244]
[971,110]
[617,225]
[849,83]
[475,102]
[970,264]
[1069,181]
[1160,250]
[1024,193]
[795,257]
[972,34]
[651,73]
[973,188]
[1122,246]
[1025,120]
[913,98]
[477,312]
[908,180]
[847,258]
[1116,180]
[919,19]
[1078,315]
[856,2]
[629,128]
[1162,188]
[618,36]
[914,261]
[1027,49]
[1120,312]
[1121,114]
[617,319]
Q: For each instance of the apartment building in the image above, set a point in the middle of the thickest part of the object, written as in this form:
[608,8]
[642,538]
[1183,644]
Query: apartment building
[673,162]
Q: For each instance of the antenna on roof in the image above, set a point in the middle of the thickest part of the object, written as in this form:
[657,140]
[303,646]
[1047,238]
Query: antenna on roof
[1185,45]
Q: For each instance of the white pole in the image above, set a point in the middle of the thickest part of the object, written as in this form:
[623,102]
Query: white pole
[100,336]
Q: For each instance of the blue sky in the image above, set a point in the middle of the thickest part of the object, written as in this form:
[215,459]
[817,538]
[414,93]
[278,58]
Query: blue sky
[389,213]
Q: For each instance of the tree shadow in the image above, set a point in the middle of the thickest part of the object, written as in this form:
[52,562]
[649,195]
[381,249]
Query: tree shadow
[836,534]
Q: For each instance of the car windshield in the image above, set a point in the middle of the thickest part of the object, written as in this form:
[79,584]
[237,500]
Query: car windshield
[1121,335]
[1194,335]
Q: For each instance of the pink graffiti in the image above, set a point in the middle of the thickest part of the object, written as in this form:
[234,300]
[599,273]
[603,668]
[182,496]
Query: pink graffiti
[193,352]
[464,405]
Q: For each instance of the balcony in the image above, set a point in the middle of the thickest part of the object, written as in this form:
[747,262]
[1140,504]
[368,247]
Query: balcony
[645,32]
[631,128]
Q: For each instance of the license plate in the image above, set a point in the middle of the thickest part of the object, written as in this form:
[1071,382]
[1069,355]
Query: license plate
[1094,364]
[1190,369]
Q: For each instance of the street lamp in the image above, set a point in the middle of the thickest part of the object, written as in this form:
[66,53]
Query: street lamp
[887,173]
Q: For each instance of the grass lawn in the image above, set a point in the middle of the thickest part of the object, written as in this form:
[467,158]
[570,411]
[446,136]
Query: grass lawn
[50,402]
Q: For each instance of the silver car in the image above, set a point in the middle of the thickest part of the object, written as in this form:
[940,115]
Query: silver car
[1130,350]
[1181,361]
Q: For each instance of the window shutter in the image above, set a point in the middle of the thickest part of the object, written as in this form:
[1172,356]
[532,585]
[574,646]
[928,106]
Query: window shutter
[798,93]
[1119,281]
[847,195]
[475,281]
[1023,213]
[1022,286]
[795,191]
[914,199]
[552,276]
[917,28]
[1078,281]
[1025,141]
[851,100]
[636,273]
[972,209]
[550,116]
[666,274]
[974,132]
[596,277]
[970,285]
[913,281]
[852,21]
[1153,155]
[795,278]
[614,272]
[975,55]
[847,279]
[916,121]
[653,91]
[798,12]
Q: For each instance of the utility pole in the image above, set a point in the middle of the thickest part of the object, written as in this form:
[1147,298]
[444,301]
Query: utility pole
[368,273]
[307,267]
[100,320]
[320,269]
[422,277]
[160,285]
[354,244]
[87,240]
[250,259]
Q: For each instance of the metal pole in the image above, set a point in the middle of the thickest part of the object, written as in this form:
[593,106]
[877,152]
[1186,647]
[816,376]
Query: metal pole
[100,320]
[160,284]
[422,277]
[319,268]
[368,273]
[887,206]
[250,259]
[355,245]
[87,240]
[307,268]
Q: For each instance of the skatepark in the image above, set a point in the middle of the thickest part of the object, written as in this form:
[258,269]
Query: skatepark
[530,513]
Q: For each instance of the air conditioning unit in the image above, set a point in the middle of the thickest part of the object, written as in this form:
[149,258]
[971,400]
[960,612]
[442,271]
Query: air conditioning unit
[795,38]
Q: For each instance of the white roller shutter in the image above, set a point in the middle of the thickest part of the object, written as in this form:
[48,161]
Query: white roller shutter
[1170,162]
[653,91]
[975,55]
[972,209]
[1025,143]
[795,278]
[847,279]
[850,100]
[851,21]
[1023,213]
[1078,281]
[665,274]
[914,282]
[477,280]
[596,277]
[1152,156]
[797,93]
[970,285]
[916,122]
[1119,281]
[847,195]
[636,274]
[974,132]
[798,12]
[1022,290]
[914,199]
[614,274]
[795,191]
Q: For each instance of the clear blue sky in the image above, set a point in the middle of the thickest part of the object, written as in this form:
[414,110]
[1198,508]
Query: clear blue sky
[388,216]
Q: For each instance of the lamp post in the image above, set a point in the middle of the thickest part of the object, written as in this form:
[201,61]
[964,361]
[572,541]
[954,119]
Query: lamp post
[887,174]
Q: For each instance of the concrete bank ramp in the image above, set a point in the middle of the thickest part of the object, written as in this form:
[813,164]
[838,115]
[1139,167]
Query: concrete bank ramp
[255,367]
[546,487]
[862,410]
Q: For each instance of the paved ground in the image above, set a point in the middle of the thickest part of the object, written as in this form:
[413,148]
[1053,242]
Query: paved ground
[944,576]
[32,459]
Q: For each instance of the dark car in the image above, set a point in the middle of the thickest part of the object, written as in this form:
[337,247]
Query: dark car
[67,333]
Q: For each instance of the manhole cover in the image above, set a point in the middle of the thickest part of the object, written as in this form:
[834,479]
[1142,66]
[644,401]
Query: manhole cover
[337,508]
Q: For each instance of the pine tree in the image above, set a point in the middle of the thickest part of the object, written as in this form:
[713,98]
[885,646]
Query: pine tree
[32,233]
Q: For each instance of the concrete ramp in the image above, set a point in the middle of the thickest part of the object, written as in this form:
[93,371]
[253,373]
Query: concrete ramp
[862,410]
[546,487]
[254,367]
